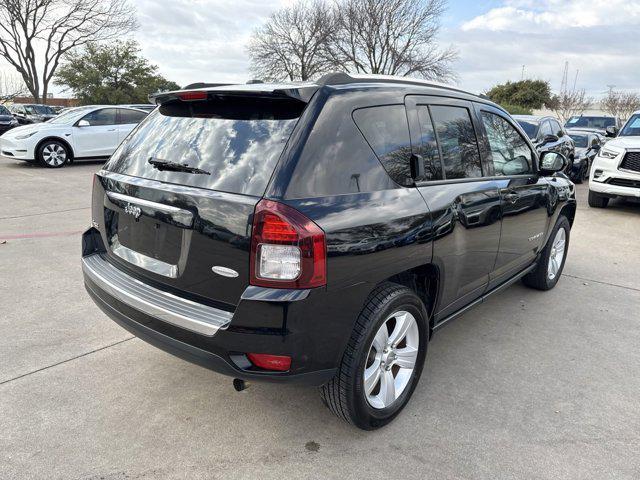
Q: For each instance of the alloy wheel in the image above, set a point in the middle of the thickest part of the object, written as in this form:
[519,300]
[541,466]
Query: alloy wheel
[54,154]
[557,254]
[391,359]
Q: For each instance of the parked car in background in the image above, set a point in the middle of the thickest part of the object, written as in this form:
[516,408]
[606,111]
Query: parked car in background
[319,233]
[57,109]
[7,120]
[548,135]
[32,113]
[616,169]
[81,132]
[587,145]
[595,123]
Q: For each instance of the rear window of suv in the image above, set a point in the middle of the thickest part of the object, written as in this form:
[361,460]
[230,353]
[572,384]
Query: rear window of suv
[236,139]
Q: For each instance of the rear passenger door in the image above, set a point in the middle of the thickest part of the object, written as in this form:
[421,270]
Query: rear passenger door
[513,163]
[464,203]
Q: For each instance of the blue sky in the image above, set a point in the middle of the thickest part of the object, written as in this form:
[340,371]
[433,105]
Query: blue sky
[204,40]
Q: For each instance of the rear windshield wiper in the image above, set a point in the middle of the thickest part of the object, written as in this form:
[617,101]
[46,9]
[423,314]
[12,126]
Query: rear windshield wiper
[175,167]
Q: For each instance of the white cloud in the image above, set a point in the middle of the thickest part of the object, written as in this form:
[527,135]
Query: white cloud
[597,38]
[528,16]
[202,40]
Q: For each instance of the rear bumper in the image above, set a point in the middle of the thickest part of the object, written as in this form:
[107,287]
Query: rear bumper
[218,362]
[310,326]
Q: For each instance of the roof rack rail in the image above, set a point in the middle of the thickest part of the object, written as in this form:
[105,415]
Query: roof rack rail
[203,85]
[253,81]
[342,78]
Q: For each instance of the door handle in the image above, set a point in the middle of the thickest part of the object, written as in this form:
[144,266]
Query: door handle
[511,197]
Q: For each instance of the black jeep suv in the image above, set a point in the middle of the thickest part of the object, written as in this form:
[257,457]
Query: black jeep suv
[321,232]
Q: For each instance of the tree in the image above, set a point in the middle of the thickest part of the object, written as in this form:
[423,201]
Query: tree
[36,34]
[527,94]
[620,104]
[11,87]
[394,37]
[568,103]
[111,74]
[292,44]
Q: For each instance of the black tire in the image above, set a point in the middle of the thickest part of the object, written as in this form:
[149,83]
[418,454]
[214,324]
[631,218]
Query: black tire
[53,154]
[597,201]
[344,394]
[580,175]
[539,277]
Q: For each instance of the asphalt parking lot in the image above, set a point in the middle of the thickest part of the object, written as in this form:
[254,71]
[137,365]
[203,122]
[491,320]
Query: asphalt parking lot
[529,385]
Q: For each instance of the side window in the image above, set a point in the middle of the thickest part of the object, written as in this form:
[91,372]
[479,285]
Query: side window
[510,153]
[386,129]
[457,140]
[128,117]
[429,145]
[105,116]
[556,128]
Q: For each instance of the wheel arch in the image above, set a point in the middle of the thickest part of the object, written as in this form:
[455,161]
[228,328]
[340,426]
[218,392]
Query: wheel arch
[57,139]
[424,282]
[569,211]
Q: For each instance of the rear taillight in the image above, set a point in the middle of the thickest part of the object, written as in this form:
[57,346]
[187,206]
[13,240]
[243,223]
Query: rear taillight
[287,249]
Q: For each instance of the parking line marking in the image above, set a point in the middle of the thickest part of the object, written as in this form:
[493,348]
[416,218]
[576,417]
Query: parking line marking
[21,236]
[45,213]
[67,360]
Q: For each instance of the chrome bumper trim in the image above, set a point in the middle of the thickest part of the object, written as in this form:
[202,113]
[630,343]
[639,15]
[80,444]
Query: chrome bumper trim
[164,306]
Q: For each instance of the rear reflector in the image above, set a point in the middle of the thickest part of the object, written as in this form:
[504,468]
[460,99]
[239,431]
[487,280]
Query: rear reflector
[192,95]
[279,363]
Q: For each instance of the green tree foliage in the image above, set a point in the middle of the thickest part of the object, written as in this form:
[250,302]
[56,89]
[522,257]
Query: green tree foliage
[528,94]
[516,109]
[111,74]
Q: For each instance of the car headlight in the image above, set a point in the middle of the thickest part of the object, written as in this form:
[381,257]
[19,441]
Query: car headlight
[26,135]
[13,122]
[608,153]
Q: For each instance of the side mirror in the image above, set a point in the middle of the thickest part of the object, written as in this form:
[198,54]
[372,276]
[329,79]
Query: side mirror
[611,131]
[595,146]
[83,123]
[550,139]
[552,162]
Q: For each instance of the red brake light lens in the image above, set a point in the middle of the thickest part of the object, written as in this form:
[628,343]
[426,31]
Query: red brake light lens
[280,363]
[287,249]
[192,95]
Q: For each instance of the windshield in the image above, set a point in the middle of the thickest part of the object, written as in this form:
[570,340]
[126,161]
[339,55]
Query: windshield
[236,139]
[70,115]
[581,141]
[38,110]
[590,122]
[530,128]
[4,110]
[632,127]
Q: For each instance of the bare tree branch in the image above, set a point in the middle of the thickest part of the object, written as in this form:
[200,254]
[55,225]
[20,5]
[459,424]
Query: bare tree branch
[568,103]
[394,37]
[11,86]
[620,104]
[291,45]
[36,34]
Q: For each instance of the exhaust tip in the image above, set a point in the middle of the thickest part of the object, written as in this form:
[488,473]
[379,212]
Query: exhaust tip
[240,384]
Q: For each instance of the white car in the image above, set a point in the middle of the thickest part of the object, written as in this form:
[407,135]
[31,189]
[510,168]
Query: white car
[81,132]
[616,169]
